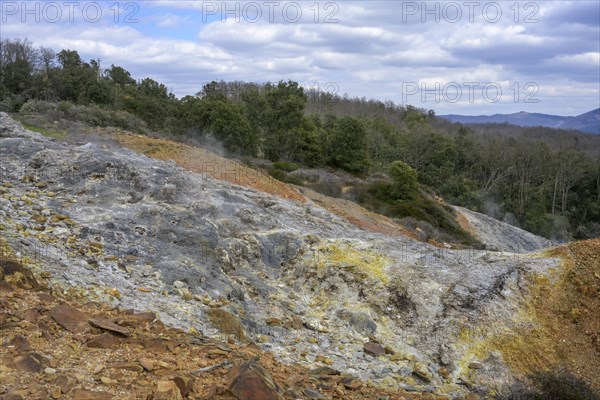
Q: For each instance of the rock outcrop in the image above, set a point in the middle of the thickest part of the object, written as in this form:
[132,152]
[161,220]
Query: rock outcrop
[119,227]
[500,236]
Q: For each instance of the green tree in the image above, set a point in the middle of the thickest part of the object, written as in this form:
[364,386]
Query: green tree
[405,185]
[304,143]
[227,123]
[284,114]
[347,146]
[74,76]
[119,76]
[151,101]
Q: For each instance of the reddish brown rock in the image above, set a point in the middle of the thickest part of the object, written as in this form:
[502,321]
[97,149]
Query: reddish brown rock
[351,383]
[18,275]
[32,314]
[296,322]
[104,341]
[18,344]
[15,395]
[65,383]
[252,382]
[3,319]
[145,317]
[80,394]
[184,383]
[127,366]
[108,326]
[156,345]
[31,362]
[6,287]
[167,390]
[46,298]
[70,318]
[374,349]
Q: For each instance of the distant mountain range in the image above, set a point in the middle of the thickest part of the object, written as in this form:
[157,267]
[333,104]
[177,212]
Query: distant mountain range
[588,122]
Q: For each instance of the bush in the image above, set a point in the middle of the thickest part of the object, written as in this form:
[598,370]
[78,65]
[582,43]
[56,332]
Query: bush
[284,177]
[588,230]
[38,107]
[286,166]
[13,104]
[93,115]
[5,105]
[404,181]
[441,221]
[64,106]
[539,223]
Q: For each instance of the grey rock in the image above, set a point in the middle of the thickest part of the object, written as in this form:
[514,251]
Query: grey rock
[360,321]
[179,285]
[501,236]
[261,255]
[313,394]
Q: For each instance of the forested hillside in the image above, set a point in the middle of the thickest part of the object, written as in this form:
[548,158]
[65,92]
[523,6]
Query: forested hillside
[544,180]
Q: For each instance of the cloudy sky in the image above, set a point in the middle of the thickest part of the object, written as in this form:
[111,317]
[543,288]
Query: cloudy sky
[464,57]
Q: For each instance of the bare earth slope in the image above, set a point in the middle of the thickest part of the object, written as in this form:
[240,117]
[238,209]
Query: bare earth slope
[236,264]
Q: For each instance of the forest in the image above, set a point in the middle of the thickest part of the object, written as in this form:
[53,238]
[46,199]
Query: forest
[544,180]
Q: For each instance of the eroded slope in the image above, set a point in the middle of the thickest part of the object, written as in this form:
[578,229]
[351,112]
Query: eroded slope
[230,261]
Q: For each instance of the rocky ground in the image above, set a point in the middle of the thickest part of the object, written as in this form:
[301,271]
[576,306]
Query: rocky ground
[59,347]
[257,266]
[498,235]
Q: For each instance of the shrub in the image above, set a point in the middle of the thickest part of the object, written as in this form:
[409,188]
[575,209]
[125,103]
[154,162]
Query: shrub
[539,223]
[14,103]
[284,177]
[64,106]
[404,181]
[286,166]
[5,105]
[440,219]
[93,115]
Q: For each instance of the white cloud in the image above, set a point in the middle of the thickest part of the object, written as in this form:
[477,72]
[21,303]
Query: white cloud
[372,51]
[170,21]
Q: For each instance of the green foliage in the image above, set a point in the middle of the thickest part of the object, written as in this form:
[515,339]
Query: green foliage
[404,181]
[46,132]
[304,144]
[150,101]
[120,76]
[286,166]
[282,176]
[16,76]
[278,114]
[347,146]
[93,115]
[380,197]
[539,223]
[462,191]
[227,123]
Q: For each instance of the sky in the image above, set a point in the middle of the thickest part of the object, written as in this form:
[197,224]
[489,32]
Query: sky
[459,57]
